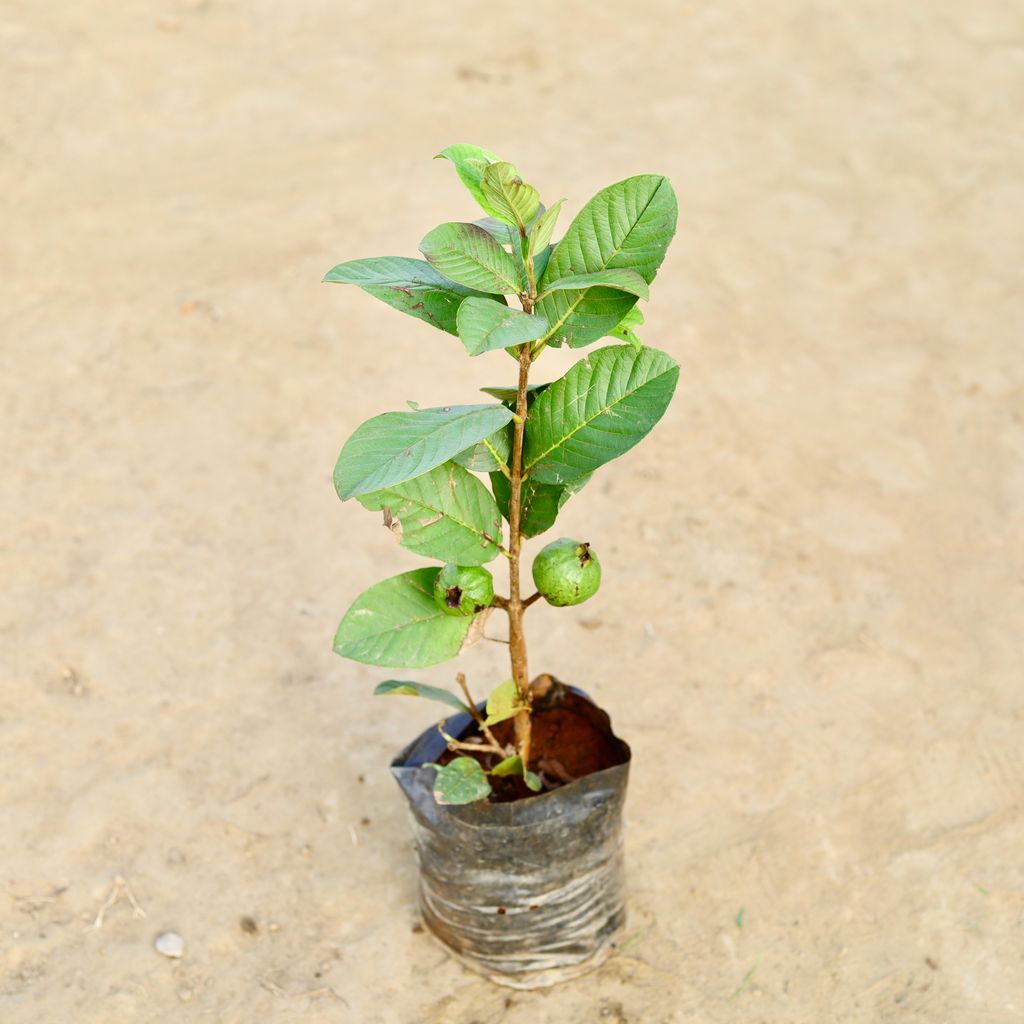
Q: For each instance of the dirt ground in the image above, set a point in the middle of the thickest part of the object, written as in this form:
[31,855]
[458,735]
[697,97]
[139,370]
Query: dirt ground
[812,616]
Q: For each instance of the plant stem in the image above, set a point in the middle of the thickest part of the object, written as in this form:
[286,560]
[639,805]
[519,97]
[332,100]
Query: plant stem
[516,638]
[471,704]
[524,248]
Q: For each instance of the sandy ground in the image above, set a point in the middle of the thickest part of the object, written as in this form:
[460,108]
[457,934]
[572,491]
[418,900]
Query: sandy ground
[810,628]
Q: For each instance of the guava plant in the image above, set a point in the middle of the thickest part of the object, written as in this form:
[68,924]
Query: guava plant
[537,444]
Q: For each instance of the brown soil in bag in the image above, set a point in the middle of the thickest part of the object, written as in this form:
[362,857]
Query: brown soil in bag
[571,738]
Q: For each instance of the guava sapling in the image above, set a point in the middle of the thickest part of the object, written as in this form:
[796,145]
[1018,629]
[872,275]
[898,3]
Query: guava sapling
[536,445]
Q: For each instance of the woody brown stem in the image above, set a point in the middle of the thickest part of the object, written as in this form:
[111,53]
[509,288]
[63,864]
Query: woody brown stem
[516,637]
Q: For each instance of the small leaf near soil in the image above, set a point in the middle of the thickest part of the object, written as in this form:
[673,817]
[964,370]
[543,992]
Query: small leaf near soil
[514,766]
[461,781]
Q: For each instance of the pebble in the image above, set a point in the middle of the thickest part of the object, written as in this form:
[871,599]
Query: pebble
[170,944]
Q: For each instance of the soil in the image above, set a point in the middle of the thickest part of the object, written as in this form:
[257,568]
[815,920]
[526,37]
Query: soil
[572,737]
[811,618]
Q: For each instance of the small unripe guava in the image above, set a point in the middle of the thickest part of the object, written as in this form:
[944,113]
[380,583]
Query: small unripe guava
[463,589]
[566,572]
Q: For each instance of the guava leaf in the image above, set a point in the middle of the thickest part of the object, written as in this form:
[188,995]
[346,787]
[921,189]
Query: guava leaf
[504,234]
[514,766]
[398,446]
[489,454]
[544,226]
[469,256]
[461,781]
[624,330]
[485,325]
[540,263]
[539,503]
[503,702]
[408,285]
[621,280]
[509,197]
[510,394]
[626,226]
[446,514]
[600,409]
[397,686]
[470,163]
[571,488]
[510,766]
[396,623]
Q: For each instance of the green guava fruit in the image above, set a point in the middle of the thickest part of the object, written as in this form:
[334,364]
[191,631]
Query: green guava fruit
[566,572]
[463,589]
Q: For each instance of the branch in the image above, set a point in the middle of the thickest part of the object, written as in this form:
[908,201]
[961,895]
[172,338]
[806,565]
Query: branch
[530,600]
[475,711]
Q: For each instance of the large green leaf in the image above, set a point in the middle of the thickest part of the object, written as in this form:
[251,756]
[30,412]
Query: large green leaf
[447,514]
[399,446]
[470,163]
[408,285]
[398,624]
[510,198]
[621,280]
[471,257]
[403,688]
[625,226]
[461,781]
[485,325]
[602,407]
[489,454]
[539,503]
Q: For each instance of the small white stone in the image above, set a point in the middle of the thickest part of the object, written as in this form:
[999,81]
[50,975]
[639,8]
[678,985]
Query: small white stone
[170,944]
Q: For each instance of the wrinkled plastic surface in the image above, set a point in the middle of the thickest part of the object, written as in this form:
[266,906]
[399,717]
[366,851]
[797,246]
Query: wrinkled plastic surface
[530,892]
